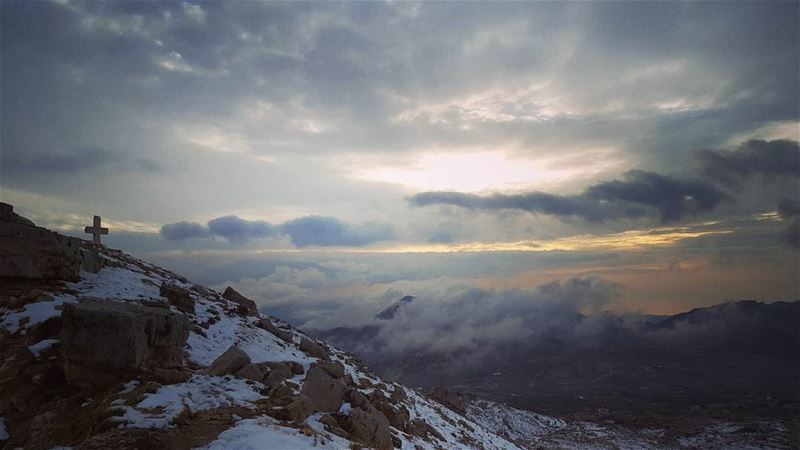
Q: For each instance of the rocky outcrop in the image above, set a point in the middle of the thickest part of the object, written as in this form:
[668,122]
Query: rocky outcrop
[178,296]
[247,306]
[371,428]
[28,251]
[100,336]
[229,362]
[282,334]
[314,349]
[326,392]
[300,408]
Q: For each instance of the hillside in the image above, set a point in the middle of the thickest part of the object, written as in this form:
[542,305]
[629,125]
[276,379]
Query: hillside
[121,353]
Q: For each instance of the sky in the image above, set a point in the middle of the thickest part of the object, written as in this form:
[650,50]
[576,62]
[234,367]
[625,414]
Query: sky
[327,158]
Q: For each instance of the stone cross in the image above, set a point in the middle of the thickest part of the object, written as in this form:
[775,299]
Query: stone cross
[96,230]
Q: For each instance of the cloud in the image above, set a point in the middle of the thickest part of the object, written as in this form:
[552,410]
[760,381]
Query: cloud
[617,199]
[672,197]
[790,210]
[329,231]
[239,230]
[73,161]
[754,157]
[303,232]
[183,230]
[479,319]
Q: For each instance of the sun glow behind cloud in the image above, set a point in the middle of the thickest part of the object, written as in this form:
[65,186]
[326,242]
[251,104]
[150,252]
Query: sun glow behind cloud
[472,172]
[628,240]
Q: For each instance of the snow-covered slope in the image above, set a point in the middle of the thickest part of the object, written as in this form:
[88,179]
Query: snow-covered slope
[239,408]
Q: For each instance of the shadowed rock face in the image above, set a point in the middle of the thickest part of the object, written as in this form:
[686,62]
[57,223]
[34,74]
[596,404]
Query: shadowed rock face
[108,337]
[245,303]
[28,251]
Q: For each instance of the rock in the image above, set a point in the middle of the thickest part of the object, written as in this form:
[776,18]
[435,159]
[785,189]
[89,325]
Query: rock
[332,425]
[277,372]
[251,372]
[108,336]
[178,296]
[300,408]
[297,368]
[248,306]
[358,399]
[284,335]
[397,415]
[29,251]
[334,369]
[171,376]
[370,428]
[326,393]
[229,362]
[420,428]
[280,394]
[314,349]
[398,395]
[91,261]
[453,400]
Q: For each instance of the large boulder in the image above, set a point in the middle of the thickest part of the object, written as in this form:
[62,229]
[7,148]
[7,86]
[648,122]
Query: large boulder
[326,393]
[300,408]
[247,306]
[28,251]
[284,335]
[251,372]
[278,371]
[333,368]
[109,336]
[371,428]
[397,414]
[229,362]
[314,349]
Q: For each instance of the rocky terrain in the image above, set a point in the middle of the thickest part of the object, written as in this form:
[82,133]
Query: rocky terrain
[102,350]
[129,355]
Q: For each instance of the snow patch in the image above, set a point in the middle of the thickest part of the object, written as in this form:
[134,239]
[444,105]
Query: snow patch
[35,313]
[200,393]
[3,433]
[264,433]
[41,346]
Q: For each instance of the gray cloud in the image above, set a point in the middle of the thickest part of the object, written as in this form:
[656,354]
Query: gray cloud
[329,231]
[77,160]
[303,232]
[755,157]
[183,230]
[790,210]
[238,230]
[618,199]
[672,197]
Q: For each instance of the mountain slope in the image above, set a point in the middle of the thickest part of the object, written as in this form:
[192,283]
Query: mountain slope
[134,356]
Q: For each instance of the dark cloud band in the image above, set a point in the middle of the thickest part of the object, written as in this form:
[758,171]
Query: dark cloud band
[618,199]
[303,232]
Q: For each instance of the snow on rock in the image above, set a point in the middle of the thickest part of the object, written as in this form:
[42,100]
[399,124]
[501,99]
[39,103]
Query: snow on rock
[264,433]
[511,422]
[455,428]
[200,393]
[41,346]
[3,433]
[533,431]
[118,283]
